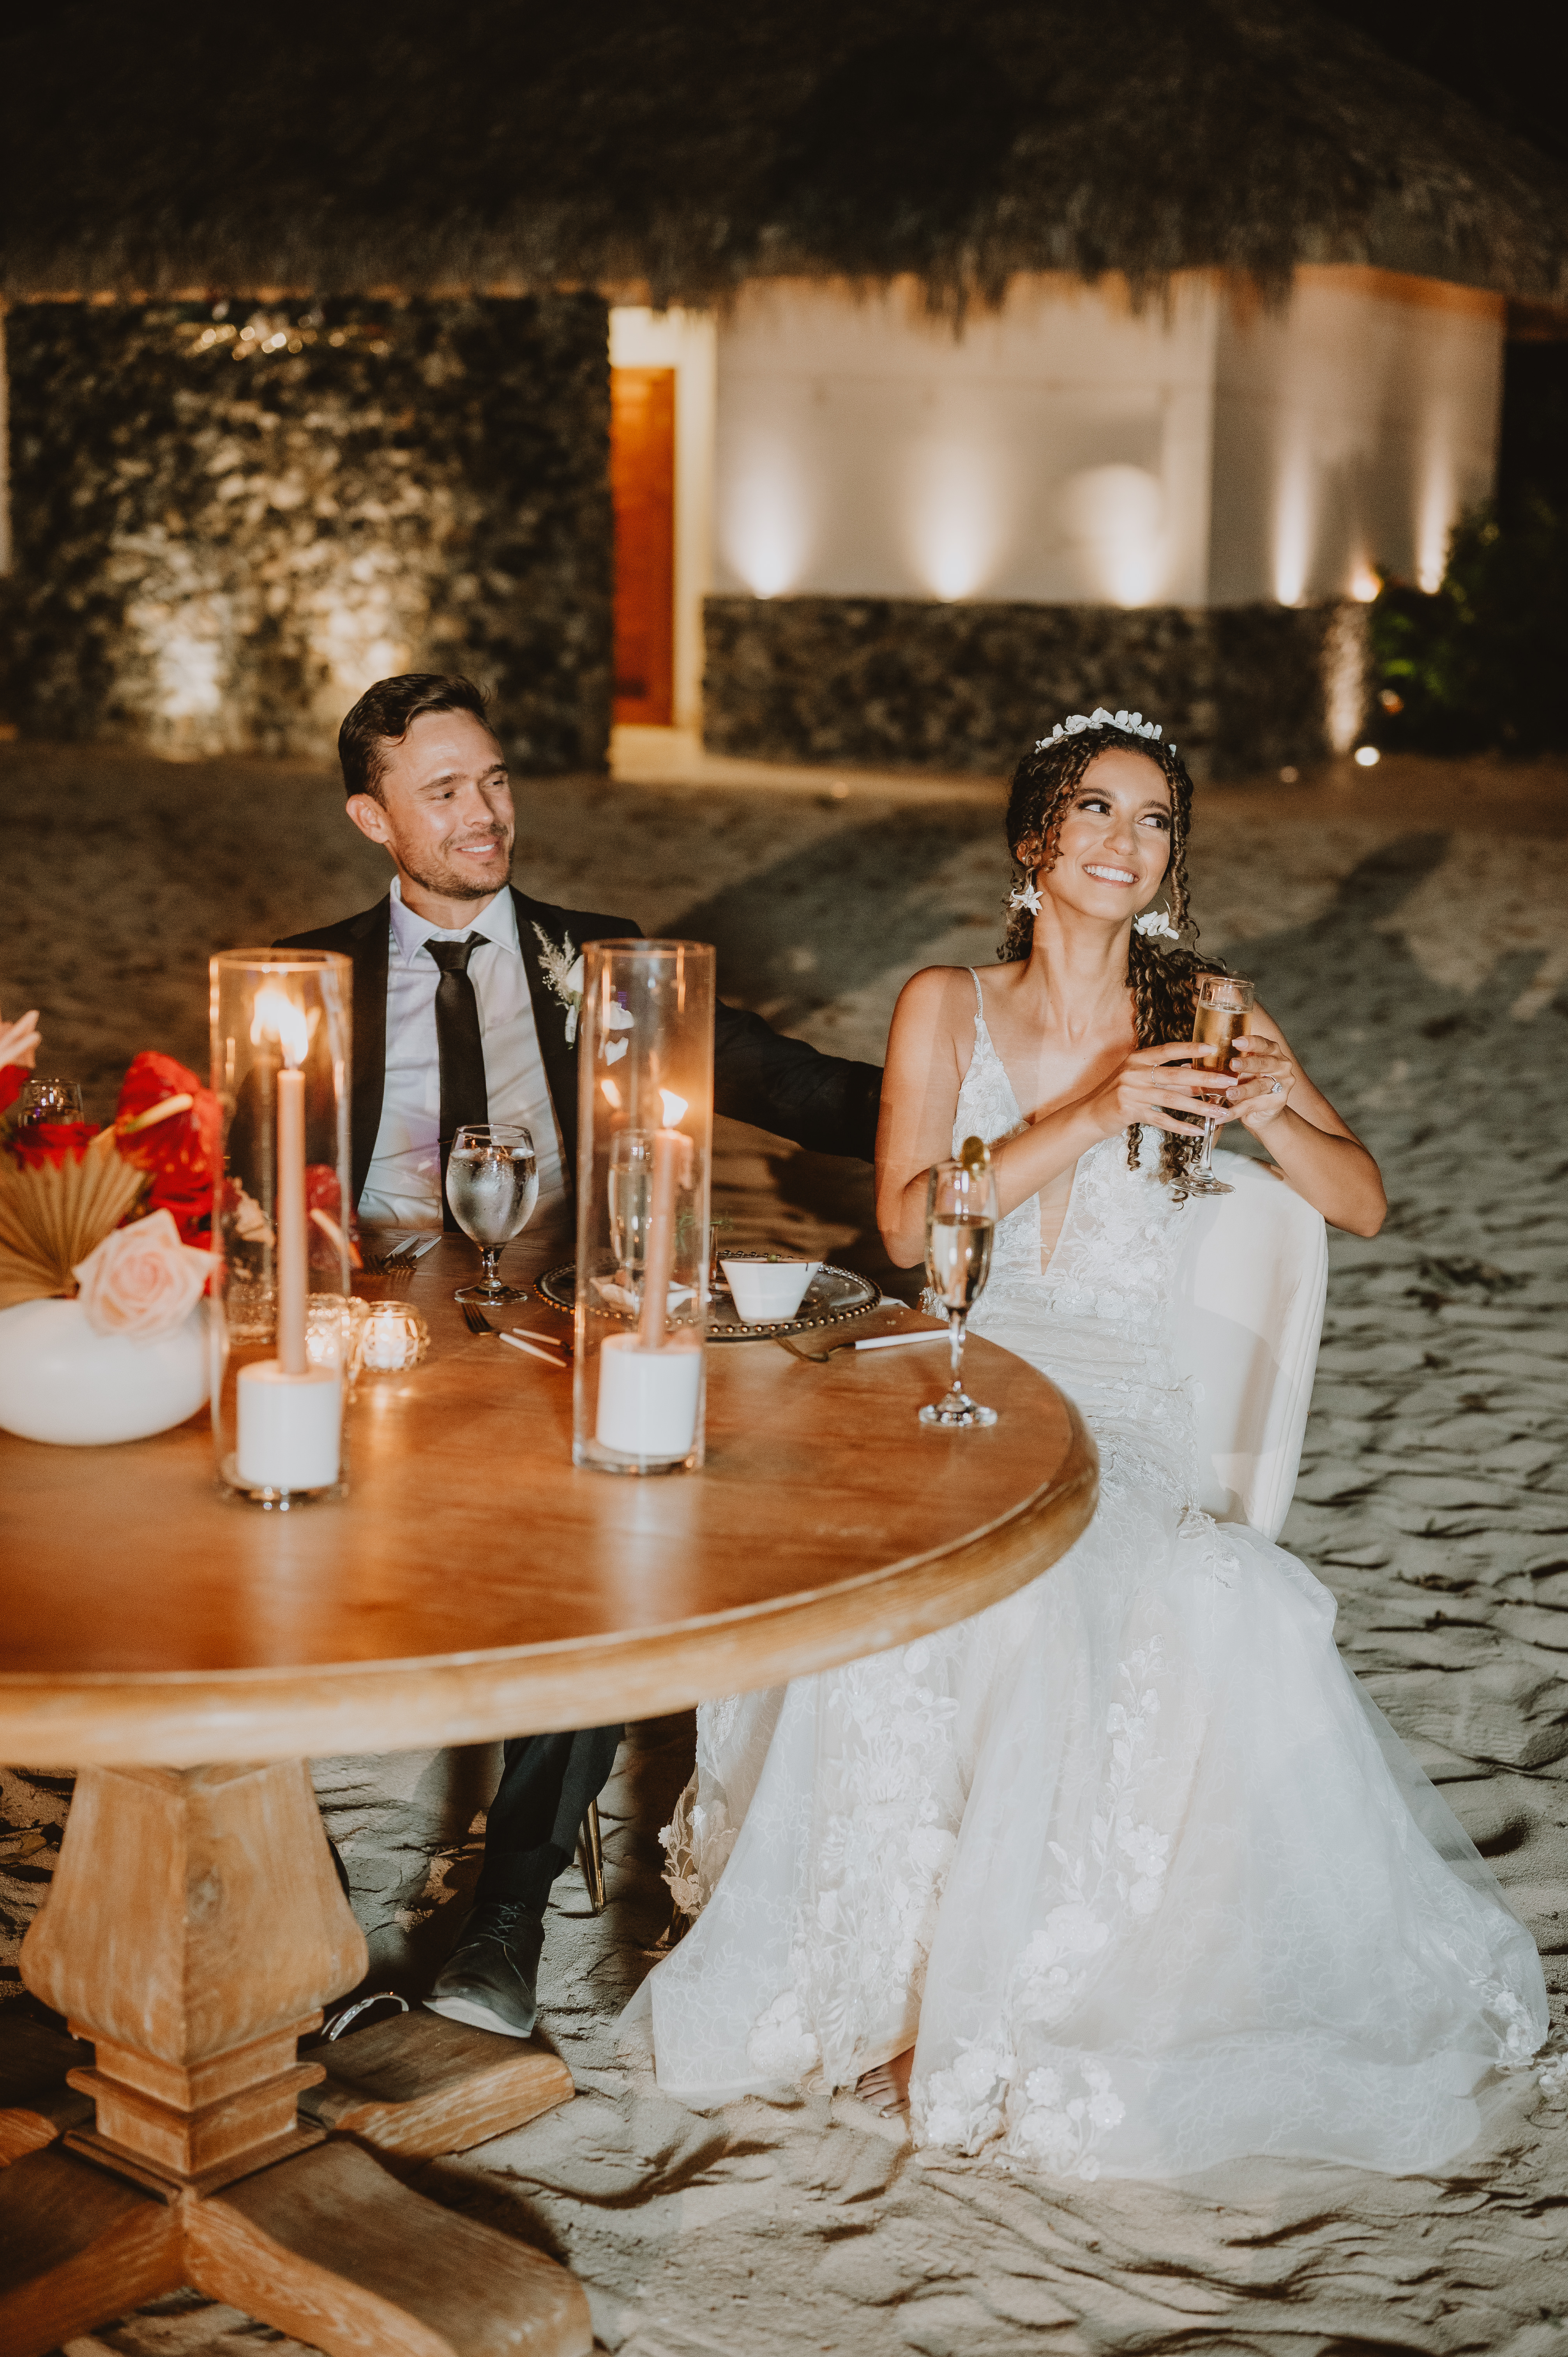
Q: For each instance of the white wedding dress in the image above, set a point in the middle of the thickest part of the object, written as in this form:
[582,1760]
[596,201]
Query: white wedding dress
[1131,1858]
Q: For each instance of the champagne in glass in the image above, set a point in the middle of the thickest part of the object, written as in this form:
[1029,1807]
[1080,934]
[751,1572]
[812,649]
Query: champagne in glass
[1221,1005]
[961,1227]
[492,1184]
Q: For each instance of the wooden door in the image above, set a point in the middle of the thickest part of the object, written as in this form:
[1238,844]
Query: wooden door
[643,484]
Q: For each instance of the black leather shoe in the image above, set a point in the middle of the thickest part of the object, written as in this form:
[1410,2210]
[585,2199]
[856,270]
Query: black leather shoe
[490,1978]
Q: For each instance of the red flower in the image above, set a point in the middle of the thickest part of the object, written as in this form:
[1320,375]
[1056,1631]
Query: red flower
[183,1153]
[322,1192]
[14,1079]
[37,1142]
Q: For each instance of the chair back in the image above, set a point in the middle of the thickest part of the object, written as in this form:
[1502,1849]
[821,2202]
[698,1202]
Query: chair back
[1250,1291]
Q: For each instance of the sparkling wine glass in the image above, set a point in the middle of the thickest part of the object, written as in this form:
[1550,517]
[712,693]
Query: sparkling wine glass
[631,1201]
[492,1184]
[1220,1008]
[960,1225]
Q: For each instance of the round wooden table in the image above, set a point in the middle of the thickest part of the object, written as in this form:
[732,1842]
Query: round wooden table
[472,1584]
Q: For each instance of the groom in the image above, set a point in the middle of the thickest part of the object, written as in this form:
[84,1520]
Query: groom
[460,1015]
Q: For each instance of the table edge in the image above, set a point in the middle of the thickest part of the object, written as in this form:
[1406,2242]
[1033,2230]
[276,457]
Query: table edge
[183,1718]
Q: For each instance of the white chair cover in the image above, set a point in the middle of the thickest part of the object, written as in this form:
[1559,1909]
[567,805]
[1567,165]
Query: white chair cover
[1250,1295]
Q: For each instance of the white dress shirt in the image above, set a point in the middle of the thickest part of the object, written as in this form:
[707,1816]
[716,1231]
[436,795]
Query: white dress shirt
[403,1189]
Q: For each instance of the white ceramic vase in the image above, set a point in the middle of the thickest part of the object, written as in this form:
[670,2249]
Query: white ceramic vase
[61,1381]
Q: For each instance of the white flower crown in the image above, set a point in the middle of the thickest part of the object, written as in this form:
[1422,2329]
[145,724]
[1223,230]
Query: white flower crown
[1133,723]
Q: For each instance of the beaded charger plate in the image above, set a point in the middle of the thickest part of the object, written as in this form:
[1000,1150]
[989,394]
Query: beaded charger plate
[833,1295]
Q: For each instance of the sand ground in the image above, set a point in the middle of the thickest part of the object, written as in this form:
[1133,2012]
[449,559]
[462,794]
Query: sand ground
[1406,928]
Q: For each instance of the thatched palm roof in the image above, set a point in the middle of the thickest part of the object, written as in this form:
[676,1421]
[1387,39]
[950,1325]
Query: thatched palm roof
[687,145]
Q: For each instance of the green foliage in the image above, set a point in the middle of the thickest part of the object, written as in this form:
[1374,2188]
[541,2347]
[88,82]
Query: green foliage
[1479,662]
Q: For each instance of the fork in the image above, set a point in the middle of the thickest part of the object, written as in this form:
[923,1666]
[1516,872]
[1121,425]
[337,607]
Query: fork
[475,1318]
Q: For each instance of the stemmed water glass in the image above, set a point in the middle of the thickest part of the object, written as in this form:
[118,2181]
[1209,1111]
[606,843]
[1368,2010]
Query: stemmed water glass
[492,1184]
[960,1226]
[1220,1008]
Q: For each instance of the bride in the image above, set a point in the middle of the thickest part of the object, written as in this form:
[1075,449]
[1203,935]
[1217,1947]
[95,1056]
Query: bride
[1130,1862]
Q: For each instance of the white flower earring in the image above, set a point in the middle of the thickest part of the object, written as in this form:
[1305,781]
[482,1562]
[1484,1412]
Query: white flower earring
[1025,893]
[1156,924]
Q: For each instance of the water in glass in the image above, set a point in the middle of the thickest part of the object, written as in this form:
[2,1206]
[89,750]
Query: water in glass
[492,1186]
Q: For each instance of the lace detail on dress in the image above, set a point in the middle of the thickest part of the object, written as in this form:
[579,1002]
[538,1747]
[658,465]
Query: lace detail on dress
[884,1834]
[696,1843]
[1115,1874]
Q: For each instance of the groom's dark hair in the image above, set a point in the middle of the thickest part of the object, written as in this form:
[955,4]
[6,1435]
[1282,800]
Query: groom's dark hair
[384,714]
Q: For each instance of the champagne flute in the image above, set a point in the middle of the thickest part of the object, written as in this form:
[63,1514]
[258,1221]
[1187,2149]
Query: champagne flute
[960,1225]
[492,1184]
[631,1201]
[1220,1008]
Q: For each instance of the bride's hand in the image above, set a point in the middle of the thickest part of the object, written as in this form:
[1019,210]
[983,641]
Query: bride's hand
[1158,1086]
[1263,1076]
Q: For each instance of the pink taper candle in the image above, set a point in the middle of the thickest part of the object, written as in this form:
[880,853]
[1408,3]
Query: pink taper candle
[672,1157]
[293,1266]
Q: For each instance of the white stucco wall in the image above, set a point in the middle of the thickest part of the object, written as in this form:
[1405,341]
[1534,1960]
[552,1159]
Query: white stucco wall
[1349,431]
[1058,451]
[1069,449]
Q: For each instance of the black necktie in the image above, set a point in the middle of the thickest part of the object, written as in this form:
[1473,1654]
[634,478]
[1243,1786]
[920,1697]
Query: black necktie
[460,1045]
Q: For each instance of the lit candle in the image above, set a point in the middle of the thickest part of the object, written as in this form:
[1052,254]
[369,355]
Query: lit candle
[293,1276]
[648,1383]
[290,1411]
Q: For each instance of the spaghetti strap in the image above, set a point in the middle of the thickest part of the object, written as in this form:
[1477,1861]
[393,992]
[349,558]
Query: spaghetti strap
[979,994]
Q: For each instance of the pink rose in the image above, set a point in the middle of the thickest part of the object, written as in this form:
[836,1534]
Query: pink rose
[141,1280]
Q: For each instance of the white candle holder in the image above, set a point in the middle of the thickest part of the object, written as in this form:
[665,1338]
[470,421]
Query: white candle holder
[282,1368]
[644,1149]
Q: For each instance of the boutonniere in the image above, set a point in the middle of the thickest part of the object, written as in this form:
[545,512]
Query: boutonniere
[1155,923]
[564,971]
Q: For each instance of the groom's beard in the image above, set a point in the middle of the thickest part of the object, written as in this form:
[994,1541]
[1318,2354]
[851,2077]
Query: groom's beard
[436,875]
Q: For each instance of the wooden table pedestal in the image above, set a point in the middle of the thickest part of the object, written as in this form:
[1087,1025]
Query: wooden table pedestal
[473,1585]
[195,1931]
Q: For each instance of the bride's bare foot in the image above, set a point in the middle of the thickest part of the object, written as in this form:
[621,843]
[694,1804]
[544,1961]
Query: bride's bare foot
[887,2089]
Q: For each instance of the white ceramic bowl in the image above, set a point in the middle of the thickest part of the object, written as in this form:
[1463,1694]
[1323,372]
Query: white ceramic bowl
[765,1291]
[62,1382]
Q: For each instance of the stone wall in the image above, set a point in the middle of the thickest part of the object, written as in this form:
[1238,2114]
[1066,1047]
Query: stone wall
[900,682]
[228,522]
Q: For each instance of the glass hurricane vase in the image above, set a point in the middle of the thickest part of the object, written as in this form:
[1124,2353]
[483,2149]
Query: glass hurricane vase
[644,1146]
[282,1368]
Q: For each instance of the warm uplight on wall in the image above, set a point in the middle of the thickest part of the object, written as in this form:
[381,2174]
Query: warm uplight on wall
[1116,515]
[1434,519]
[764,520]
[953,511]
[190,673]
[1293,529]
[1364,584]
[355,624]
[1367,757]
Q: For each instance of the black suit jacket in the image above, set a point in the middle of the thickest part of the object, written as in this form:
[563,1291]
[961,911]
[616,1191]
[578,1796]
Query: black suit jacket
[823,1102]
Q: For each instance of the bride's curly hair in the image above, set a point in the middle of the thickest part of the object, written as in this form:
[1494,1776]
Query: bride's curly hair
[1162,981]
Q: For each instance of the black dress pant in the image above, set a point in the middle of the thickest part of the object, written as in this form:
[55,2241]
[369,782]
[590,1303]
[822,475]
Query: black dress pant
[546,1784]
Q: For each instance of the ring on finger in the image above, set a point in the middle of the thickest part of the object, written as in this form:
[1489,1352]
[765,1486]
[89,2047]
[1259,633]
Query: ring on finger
[1276,1088]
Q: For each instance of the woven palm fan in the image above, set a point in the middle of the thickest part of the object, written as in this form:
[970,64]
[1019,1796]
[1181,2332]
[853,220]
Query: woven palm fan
[53,1215]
